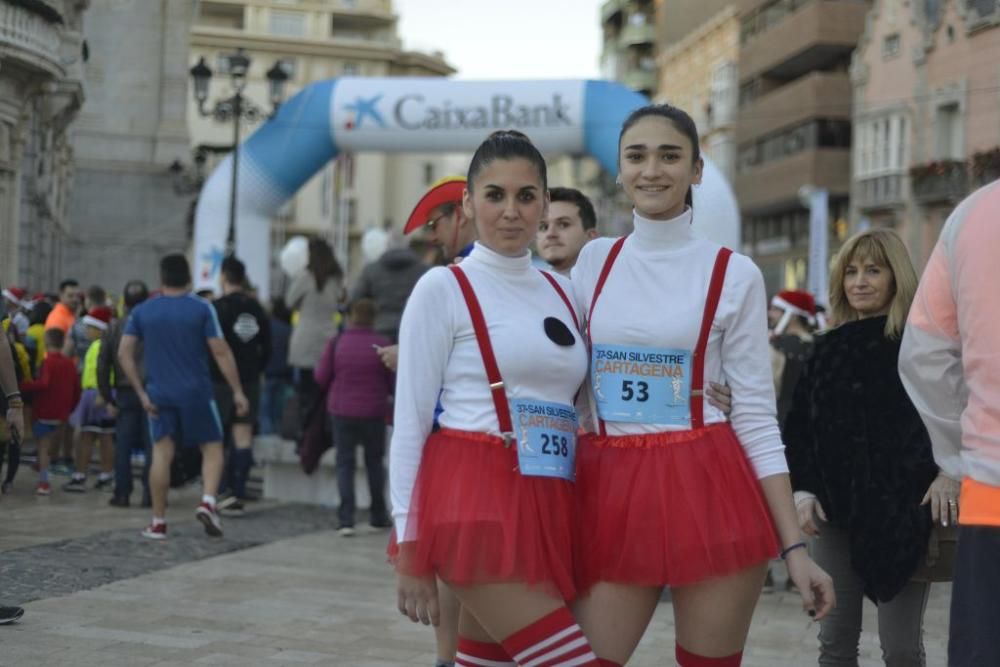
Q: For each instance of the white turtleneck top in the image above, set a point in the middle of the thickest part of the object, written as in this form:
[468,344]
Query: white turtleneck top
[655,297]
[439,354]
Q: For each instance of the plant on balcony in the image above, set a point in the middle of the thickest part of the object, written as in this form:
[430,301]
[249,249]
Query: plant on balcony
[986,165]
[934,169]
[939,181]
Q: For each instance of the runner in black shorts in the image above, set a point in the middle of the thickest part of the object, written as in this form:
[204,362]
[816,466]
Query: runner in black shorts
[247,330]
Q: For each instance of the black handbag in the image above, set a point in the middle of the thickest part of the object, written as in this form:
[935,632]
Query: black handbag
[939,562]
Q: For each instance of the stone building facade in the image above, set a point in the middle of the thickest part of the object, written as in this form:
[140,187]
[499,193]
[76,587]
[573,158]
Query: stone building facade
[41,91]
[124,210]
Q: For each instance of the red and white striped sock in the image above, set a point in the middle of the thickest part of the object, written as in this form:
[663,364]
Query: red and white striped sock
[687,659]
[481,654]
[552,641]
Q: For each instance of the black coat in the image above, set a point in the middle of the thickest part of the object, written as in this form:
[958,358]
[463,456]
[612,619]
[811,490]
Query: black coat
[855,440]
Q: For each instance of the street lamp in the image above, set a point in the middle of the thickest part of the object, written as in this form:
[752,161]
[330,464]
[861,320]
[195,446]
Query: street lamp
[237,108]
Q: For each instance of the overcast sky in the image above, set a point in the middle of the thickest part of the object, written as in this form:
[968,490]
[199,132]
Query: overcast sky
[507,39]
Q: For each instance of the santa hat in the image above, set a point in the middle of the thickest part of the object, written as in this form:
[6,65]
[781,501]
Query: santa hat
[15,295]
[34,300]
[98,317]
[794,302]
[446,191]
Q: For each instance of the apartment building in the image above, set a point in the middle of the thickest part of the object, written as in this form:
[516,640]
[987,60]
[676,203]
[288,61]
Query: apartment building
[793,125]
[926,114]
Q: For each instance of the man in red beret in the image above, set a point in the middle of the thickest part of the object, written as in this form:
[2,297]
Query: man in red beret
[439,211]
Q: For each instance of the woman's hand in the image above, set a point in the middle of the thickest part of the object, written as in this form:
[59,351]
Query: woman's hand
[389,356]
[815,585]
[720,396]
[943,497]
[418,599]
[808,510]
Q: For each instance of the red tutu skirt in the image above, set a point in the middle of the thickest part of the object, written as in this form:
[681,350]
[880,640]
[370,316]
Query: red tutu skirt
[475,519]
[668,509]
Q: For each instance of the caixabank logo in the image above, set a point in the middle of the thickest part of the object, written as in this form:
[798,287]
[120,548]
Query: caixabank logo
[364,109]
[414,114]
[414,111]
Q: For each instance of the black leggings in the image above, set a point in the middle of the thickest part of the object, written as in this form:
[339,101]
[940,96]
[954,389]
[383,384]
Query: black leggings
[309,396]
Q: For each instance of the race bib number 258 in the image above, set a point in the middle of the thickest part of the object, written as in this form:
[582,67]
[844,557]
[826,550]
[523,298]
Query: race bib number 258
[546,438]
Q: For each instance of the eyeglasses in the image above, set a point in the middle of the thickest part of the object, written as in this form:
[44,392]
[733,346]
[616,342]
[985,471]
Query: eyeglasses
[433,222]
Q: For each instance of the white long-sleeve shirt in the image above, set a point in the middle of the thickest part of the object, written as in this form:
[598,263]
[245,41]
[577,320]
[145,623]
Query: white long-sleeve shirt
[439,354]
[655,297]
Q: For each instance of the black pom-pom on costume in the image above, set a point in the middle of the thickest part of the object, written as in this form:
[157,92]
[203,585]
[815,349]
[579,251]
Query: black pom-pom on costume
[558,332]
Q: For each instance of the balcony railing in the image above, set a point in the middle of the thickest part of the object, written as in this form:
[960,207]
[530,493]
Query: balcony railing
[985,166]
[29,32]
[880,191]
[945,181]
[634,34]
[640,79]
[610,8]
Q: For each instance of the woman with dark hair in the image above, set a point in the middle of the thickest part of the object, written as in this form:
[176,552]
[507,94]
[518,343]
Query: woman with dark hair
[861,460]
[316,295]
[485,502]
[669,492]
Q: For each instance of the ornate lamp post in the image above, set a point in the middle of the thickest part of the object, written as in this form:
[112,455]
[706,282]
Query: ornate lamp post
[235,109]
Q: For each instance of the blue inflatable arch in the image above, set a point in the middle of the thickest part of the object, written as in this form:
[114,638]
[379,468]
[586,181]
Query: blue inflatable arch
[409,114]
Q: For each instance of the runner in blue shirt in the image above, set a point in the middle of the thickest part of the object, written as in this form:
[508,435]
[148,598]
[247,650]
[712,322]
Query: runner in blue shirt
[179,330]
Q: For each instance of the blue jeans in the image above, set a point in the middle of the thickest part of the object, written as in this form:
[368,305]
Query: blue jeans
[132,432]
[348,433]
[274,394]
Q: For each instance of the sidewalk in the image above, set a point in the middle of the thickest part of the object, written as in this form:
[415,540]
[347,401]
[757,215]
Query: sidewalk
[313,598]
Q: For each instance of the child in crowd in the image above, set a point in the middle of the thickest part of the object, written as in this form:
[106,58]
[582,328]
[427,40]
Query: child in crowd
[91,415]
[35,339]
[55,392]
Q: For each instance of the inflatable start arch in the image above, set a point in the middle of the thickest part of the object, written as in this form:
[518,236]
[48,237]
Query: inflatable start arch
[419,115]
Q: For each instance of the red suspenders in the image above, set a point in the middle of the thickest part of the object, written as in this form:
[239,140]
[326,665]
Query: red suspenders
[555,285]
[711,305]
[486,348]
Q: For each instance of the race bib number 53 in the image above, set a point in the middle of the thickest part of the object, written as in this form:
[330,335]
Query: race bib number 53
[642,384]
[546,438]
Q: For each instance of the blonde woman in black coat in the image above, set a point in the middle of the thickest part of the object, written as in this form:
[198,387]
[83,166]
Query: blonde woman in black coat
[860,457]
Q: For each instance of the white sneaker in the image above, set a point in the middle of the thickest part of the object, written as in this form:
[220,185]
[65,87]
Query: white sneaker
[210,519]
[346,531]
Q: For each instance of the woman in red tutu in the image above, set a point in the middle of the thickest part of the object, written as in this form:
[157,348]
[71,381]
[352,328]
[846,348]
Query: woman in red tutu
[485,503]
[669,493]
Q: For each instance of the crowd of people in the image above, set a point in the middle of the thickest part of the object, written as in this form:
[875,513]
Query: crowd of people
[576,429]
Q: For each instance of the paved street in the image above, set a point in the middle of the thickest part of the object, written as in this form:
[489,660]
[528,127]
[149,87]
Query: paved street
[280,589]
